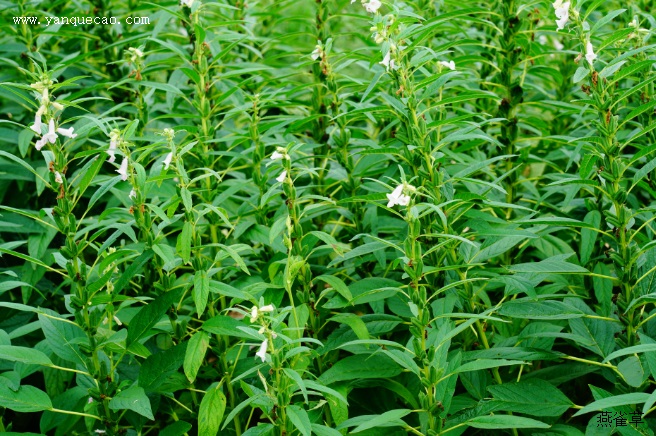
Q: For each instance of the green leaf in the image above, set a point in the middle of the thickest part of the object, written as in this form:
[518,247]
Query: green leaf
[605,20]
[184,242]
[486,364]
[102,190]
[90,173]
[532,397]
[150,315]
[63,338]
[589,236]
[642,348]
[24,355]
[361,366]
[24,140]
[649,403]
[227,290]
[353,321]
[587,164]
[201,291]
[539,310]
[211,411]
[133,398]
[236,257]
[383,420]
[178,428]
[322,430]
[195,354]
[262,430]
[186,199]
[158,367]
[337,284]
[617,400]
[581,73]
[25,399]
[12,379]
[329,240]
[130,271]
[362,250]
[644,171]
[632,371]
[505,421]
[299,417]
[516,353]
[226,326]
[555,264]
[611,69]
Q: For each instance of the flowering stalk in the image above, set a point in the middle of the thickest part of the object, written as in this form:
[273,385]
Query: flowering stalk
[282,385]
[611,172]
[513,94]
[258,156]
[67,224]
[638,40]
[418,151]
[322,73]
[424,355]
[296,267]
[203,103]
[134,60]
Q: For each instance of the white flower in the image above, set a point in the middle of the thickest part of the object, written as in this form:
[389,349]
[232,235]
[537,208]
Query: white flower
[562,13]
[589,53]
[58,177]
[50,137]
[397,197]
[168,133]
[123,169]
[267,308]
[316,54]
[388,62]
[262,351]
[280,153]
[167,160]
[67,132]
[281,177]
[262,330]
[57,106]
[558,46]
[450,65]
[255,312]
[36,127]
[373,6]
[132,194]
[136,54]
[40,143]
[114,137]
[187,3]
[116,320]
[110,152]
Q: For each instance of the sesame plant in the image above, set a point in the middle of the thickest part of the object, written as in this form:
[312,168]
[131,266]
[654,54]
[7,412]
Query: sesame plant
[330,217]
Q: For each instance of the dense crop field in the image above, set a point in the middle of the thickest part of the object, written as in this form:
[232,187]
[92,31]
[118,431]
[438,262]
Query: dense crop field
[329,217]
